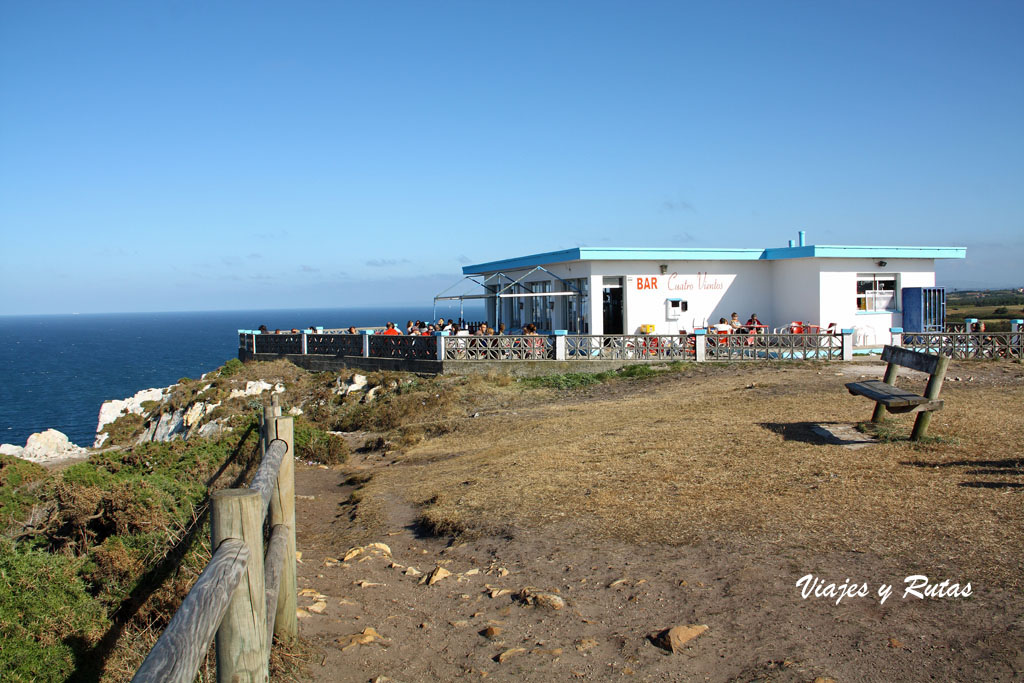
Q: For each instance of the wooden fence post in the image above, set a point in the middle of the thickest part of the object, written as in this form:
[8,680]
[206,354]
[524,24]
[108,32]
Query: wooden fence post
[282,511]
[242,636]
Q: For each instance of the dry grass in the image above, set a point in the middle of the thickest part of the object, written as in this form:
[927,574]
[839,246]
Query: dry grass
[725,454]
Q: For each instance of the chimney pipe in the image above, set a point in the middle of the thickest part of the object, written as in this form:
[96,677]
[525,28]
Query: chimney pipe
[791,243]
[803,235]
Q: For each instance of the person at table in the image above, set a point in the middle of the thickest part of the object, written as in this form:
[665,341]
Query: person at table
[735,324]
[391,329]
[722,326]
[754,325]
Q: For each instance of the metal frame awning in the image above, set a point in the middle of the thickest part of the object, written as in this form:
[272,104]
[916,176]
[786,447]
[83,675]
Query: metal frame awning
[503,292]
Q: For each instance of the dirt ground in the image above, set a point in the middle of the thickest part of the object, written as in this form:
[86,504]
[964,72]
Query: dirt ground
[698,498]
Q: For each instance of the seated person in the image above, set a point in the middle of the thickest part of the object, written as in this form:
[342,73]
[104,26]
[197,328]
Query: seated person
[352,330]
[735,324]
[754,325]
[722,326]
[391,329]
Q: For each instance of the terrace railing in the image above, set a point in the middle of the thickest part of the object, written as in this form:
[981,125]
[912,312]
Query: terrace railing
[334,344]
[501,347]
[402,346]
[772,346]
[967,345]
[698,347]
[667,347]
[243,596]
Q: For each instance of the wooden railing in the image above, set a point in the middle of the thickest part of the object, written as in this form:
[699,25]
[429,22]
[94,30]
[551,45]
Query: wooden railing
[244,602]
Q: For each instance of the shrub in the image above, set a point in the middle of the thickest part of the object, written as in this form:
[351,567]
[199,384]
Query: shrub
[316,445]
[231,367]
[47,619]
[16,477]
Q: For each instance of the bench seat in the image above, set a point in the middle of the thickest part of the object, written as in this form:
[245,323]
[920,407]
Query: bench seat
[894,399]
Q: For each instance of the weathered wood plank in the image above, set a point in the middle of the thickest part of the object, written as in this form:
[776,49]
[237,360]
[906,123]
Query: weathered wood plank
[266,476]
[931,392]
[242,653]
[282,511]
[179,652]
[273,565]
[887,394]
[915,360]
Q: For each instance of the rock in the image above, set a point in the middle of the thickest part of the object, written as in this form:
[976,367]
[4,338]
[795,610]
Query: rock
[195,412]
[412,571]
[585,644]
[295,411]
[511,652]
[318,607]
[371,394]
[894,643]
[45,447]
[367,636]
[824,679]
[491,632]
[533,597]
[471,572]
[211,429]
[367,584]
[498,592]
[169,427]
[673,639]
[251,389]
[435,576]
[354,383]
[111,410]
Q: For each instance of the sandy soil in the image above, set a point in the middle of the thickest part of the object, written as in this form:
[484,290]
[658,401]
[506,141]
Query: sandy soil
[371,617]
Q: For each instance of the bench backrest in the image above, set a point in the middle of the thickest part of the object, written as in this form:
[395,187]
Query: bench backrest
[915,360]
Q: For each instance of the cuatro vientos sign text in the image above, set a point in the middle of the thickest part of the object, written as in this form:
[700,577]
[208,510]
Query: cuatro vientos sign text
[680,283]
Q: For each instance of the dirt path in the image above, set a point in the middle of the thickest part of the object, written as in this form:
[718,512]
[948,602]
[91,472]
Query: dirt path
[615,595]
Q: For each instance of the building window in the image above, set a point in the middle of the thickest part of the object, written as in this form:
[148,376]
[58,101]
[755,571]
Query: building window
[540,306]
[877,292]
[576,305]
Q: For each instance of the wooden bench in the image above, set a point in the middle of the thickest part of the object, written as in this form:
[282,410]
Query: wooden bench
[889,397]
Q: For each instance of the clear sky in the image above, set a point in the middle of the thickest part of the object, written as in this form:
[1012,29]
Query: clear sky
[232,155]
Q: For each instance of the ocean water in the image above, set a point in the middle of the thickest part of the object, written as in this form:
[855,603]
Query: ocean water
[56,370]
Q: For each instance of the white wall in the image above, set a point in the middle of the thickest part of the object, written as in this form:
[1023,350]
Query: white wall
[712,290]
[838,286]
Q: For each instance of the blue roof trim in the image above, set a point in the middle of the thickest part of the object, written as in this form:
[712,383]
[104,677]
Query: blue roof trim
[859,251]
[652,254]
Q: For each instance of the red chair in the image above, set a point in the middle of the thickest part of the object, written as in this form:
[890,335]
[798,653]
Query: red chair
[796,327]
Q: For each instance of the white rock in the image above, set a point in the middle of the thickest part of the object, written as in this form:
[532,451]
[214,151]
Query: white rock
[50,446]
[256,388]
[371,394]
[210,429]
[195,412]
[11,449]
[111,410]
[100,440]
[295,410]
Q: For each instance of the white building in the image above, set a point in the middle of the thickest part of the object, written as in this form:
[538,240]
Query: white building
[598,290]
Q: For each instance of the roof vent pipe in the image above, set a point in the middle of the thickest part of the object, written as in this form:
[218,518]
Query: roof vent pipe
[803,235]
[791,243]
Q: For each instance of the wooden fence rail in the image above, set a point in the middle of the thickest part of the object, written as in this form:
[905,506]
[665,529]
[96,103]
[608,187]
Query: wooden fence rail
[243,601]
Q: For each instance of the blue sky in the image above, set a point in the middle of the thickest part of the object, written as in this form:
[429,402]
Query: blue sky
[229,155]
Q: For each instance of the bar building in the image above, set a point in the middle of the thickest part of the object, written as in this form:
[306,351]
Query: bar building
[601,290]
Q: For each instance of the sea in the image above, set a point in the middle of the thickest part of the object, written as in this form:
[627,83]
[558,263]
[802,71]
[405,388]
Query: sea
[56,370]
